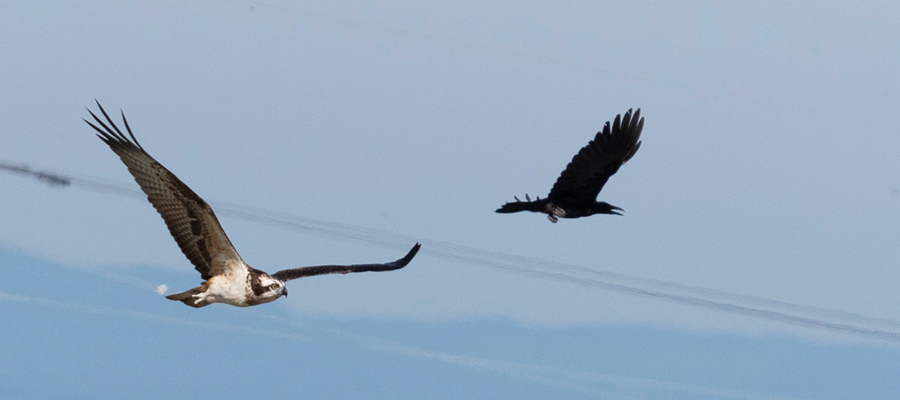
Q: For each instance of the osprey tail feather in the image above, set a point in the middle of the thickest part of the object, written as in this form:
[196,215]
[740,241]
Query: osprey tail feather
[188,297]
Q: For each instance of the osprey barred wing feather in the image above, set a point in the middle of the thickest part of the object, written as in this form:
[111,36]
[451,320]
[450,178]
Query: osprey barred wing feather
[189,218]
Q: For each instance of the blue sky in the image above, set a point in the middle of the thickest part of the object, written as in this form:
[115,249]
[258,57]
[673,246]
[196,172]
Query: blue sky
[767,185]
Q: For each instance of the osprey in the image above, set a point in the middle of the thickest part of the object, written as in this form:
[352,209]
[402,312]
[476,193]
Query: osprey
[574,194]
[227,278]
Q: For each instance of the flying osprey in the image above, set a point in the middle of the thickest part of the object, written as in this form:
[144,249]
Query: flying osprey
[227,278]
[574,194]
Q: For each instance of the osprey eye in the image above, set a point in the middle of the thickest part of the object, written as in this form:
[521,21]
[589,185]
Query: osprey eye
[274,286]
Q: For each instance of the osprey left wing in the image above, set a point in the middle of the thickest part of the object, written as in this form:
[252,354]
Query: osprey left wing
[296,273]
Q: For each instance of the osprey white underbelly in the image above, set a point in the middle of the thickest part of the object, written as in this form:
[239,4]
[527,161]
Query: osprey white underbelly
[230,287]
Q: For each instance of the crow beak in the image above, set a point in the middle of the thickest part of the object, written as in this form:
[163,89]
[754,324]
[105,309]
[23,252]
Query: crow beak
[615,210]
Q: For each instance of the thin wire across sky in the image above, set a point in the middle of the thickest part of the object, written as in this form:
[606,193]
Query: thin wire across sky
[752,306]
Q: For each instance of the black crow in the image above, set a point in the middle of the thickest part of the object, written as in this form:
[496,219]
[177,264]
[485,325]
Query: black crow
[574,194]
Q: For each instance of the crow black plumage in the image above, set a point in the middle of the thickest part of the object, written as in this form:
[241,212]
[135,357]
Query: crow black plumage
[574,194]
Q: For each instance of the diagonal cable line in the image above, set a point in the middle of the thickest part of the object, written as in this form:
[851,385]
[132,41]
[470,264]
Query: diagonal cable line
[747,305]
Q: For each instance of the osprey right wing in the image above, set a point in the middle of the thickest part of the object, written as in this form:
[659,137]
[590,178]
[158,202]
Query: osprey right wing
[190,219]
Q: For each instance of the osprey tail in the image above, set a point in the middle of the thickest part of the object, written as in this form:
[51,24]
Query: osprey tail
[537,205]
[188,297]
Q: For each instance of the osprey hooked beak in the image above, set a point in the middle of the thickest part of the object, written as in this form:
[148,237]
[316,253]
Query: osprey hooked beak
[284,291]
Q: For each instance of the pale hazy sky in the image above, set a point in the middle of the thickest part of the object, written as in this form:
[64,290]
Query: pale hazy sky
[768,173]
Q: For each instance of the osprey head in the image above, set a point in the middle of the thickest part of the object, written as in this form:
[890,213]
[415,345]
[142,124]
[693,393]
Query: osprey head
[267,288]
